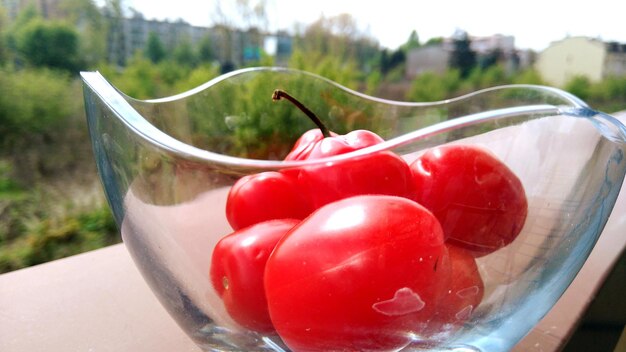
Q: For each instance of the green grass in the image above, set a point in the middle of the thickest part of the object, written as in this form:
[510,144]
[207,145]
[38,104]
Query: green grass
[40,223]
[39,240]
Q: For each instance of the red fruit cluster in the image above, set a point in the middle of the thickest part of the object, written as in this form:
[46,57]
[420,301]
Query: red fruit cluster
[360,253]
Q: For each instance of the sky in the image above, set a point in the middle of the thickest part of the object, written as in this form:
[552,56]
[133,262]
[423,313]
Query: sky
[533,23]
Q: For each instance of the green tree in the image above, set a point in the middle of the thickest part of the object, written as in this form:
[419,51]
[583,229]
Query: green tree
[49,44]
[197,76]
[340,37]
[389,62]
[25,16]
[168,73]
[372,82]
[462,57]
[140,79]
[84,14]
[434,41]
[490,59]
[155,51]
[205,49]
[33,102]
[480,78]
[329,66]
[528,76]
[429,86]
[580,86]
[608,95]
[184,54]
[412,43]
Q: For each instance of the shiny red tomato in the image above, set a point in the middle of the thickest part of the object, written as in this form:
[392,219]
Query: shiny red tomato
[479,201]
[465,289]
[381,173]
[305,144]
[378,173]
[265,196]
[358,274]
[313,145]
[237,267]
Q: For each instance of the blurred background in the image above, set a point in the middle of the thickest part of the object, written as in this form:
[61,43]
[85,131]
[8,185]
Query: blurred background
[51,202]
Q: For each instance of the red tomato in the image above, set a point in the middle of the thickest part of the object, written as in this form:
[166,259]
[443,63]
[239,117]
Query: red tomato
[465,290]
[377,173]
[237,268]
[358,274]
[479,201]
[381,173]
[265,196]
[313,145]
[303,146]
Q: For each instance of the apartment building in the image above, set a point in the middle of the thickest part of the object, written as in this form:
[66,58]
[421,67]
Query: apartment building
[581,56]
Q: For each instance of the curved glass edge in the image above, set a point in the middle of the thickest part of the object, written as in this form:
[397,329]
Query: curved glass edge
[610,127]
[119,104]
[573,100]
[110,185]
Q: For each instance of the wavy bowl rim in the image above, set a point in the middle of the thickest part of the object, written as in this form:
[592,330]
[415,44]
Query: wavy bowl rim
[118,103]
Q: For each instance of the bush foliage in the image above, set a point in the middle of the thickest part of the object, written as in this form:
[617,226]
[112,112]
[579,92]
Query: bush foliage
[50,201]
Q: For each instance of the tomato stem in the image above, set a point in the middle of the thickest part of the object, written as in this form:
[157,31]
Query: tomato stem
[279,94]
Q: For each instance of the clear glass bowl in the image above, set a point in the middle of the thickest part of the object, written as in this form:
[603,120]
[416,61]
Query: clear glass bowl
[168,164]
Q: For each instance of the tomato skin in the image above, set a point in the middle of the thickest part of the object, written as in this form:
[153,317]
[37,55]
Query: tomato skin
[265,196]
[237,268]
[303,147]
[479,201]
[313,145]
[381,173]
[378,173]
[358,274]
[464,291]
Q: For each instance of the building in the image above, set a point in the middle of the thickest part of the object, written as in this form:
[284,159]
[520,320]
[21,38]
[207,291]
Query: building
[129,34]
[230,47]
[581,56]
[280,46]
[505,44]
[435,57]
[430,58]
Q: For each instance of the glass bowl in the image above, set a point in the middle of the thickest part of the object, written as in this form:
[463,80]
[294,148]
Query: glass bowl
[168,165]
